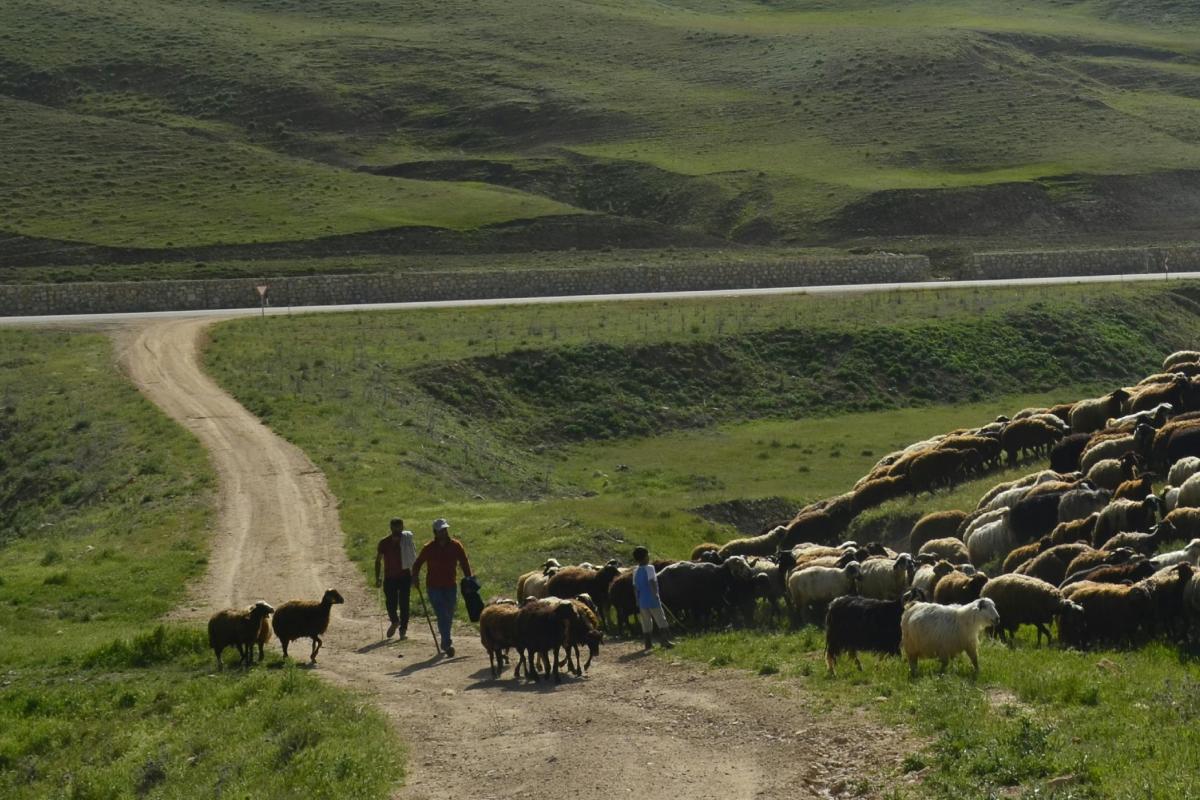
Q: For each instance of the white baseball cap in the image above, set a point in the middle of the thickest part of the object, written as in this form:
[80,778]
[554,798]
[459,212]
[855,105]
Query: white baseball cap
[440,524]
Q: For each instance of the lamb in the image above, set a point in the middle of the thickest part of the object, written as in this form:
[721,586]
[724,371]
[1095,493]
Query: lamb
[583,629]
[886,579]
[862,623]
[305,619]
[1025,435]
[1188,555]
[938,525]
[1064,456]
[1022,600]
[1126,515]
[929,630]
[571,582]
[1139,441]
[498,632]
[1111,613]
[949,548]
[959,588]
[927,577]
[763,545]
[542,629]
[817,586]
[533,583]
[1180,357]
[1183,469]
[238,627]
[1090,415]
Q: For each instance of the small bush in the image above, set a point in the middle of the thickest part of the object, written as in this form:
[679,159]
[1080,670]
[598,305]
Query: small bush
[146,649]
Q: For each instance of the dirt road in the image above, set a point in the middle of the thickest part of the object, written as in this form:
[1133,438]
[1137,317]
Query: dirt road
[636,725]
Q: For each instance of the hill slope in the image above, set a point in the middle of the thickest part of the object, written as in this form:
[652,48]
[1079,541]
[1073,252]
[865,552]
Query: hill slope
[157,124]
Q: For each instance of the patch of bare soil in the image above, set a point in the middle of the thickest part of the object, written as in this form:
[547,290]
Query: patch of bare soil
[636,725]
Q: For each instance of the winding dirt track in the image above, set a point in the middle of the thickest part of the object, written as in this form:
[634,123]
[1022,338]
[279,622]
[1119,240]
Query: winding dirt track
[634,726]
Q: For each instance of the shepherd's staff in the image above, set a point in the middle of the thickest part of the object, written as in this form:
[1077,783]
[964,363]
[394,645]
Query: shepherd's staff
[425,611]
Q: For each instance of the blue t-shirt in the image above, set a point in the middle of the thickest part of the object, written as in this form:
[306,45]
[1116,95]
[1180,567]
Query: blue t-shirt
[645,586]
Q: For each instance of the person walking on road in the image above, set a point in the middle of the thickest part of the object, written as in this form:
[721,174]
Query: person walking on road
[397,552]
[443,555]
[650,610]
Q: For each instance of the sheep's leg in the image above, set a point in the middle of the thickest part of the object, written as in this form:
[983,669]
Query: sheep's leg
[1041,628]
[284,644]
[857,663]
[912,666]
[974,661]
[945,663]
[830,658]
[220,665]
[316,648]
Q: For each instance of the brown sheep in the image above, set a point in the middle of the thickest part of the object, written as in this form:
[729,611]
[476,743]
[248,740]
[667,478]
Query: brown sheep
[764,545]
[584,630]
[238,627]
[1025,552]
[1151,396]
[305,619]
[1051,565]
[1028,435]
[877,492]
[1180,357]
[1077,530]
[938,525]
[1184,522]
[1091,414]
[534,581]
[958,588]
[571,582]
[543,629]
[948,548]
[1062,411]
[699,551]
[1111,613]
[1023,600]
[935,469]
[1094,558]
[815,526]
[498,632]
[1137,488]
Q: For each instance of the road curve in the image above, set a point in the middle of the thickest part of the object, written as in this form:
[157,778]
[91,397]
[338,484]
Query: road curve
[633,726]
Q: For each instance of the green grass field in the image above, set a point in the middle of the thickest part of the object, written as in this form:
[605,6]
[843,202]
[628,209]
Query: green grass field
[104,513]
[157,124]
[374,400]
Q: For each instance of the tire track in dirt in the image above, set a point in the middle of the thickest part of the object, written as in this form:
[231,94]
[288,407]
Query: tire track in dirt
[634,726]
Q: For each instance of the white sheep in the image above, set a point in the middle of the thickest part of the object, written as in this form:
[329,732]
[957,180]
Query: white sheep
[929,630]
[1126,515]
[819,585]
[1189,493]
[1090,414]
[886,578]
[992,540]
[927,576]
[984,519]
[1136,442]
[1170,499]
[1081,502]
[1157,414]
[1029,480]
[1183,469]
[1180,357]
[1189,555]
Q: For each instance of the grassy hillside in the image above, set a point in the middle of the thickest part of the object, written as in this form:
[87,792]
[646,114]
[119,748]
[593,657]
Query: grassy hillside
[104,508]
[490,417]
[170,126]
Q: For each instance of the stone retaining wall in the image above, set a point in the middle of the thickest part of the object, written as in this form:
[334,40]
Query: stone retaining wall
[1067,263]
[100,298]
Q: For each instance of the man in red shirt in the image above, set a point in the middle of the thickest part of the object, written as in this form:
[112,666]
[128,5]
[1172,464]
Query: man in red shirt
[397,553]
[443,555]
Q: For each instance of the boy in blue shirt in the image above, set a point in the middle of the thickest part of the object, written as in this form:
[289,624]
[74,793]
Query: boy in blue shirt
[645,586]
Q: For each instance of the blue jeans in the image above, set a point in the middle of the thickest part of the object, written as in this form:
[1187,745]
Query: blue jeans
[444,601]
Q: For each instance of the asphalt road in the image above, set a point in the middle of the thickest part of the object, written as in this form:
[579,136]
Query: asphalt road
[103,320]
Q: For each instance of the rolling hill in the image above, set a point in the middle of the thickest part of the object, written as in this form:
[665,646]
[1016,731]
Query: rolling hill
[168,130]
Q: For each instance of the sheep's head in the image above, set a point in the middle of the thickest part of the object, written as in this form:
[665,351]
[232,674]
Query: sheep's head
[1118,397]
[587,600]
[987,610]
[1119,556]
[942,568]
[1143,435]
[332,597]
[786,559]
[261,609]
[905,565]
[1070,615]
[1152,505]
[737,568]
[913,595]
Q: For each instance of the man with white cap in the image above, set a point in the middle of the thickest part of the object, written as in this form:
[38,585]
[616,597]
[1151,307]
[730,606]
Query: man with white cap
[443,555]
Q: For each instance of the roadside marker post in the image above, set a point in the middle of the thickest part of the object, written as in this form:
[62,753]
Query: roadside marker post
[262,290]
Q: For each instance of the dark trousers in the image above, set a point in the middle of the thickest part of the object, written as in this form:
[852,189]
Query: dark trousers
[395,593]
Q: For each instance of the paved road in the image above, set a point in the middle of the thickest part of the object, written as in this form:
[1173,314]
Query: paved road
[103,320]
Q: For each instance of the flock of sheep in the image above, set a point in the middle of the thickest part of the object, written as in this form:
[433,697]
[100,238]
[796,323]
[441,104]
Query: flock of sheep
[1081,545]
[243,628]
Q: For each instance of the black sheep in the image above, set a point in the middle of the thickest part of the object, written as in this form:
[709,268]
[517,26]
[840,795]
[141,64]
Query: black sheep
[1031,518]
[855,623]
[1064,456]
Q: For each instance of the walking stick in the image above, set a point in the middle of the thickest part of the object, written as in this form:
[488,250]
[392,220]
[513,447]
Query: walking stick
[425,611]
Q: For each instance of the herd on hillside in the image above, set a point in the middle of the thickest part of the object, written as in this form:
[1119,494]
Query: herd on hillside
[1083,545]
